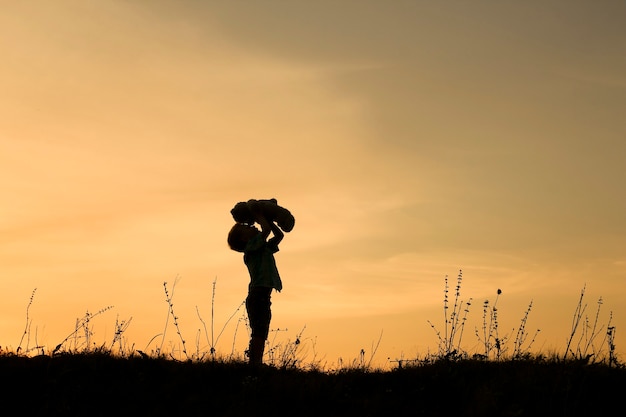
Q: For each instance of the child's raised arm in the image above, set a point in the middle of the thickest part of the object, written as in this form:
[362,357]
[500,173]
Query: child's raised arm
[267,227]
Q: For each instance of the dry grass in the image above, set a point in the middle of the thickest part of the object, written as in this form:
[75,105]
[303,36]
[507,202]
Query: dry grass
[503,377]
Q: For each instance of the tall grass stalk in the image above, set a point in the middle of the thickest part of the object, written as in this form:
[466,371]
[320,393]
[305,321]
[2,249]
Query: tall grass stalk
[213,316]
[169,299]
[28,324]
[214,340]
[578,313]
[243,319]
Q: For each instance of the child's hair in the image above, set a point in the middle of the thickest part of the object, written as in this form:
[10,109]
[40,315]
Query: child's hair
[238,236]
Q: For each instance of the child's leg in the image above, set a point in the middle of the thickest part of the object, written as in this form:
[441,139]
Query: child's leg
[255,350]
[259,315]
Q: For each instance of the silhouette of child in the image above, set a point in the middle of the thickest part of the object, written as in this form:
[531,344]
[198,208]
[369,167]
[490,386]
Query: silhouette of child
[248,212]
[258,255]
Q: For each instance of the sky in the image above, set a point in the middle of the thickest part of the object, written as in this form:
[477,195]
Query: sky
[410,139]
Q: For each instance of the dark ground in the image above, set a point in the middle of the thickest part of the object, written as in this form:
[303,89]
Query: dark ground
[103,385]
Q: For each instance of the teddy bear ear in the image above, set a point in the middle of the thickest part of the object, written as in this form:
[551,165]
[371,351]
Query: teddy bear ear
[273,200]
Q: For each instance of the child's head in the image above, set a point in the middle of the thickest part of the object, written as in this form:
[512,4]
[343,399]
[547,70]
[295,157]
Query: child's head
[239,236]
[242,214]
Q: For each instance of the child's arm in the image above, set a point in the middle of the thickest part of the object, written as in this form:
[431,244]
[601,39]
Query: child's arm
[267,227]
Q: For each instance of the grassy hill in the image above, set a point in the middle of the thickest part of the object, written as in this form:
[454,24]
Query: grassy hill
[502,378]
[99,384]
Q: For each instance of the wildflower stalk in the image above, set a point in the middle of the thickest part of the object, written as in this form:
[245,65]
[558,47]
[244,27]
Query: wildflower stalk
[578,313]
[28,323]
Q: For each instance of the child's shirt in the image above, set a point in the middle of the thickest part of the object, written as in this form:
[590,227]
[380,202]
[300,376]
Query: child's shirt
[259,258]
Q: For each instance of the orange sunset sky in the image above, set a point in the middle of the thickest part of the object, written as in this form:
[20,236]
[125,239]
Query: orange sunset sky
[410,139]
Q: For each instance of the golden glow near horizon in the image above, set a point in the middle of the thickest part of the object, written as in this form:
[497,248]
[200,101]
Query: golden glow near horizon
[410,140]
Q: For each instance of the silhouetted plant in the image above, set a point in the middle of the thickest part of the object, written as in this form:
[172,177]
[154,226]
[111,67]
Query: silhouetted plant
[214,340]
[494,345]
[610,332]
[454,324]
[28,324]
[170,303]
[519,352]
[120,327]
[491,339]
[583,344]
[82,324]
[287,354]
[586,349]
[578,313]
